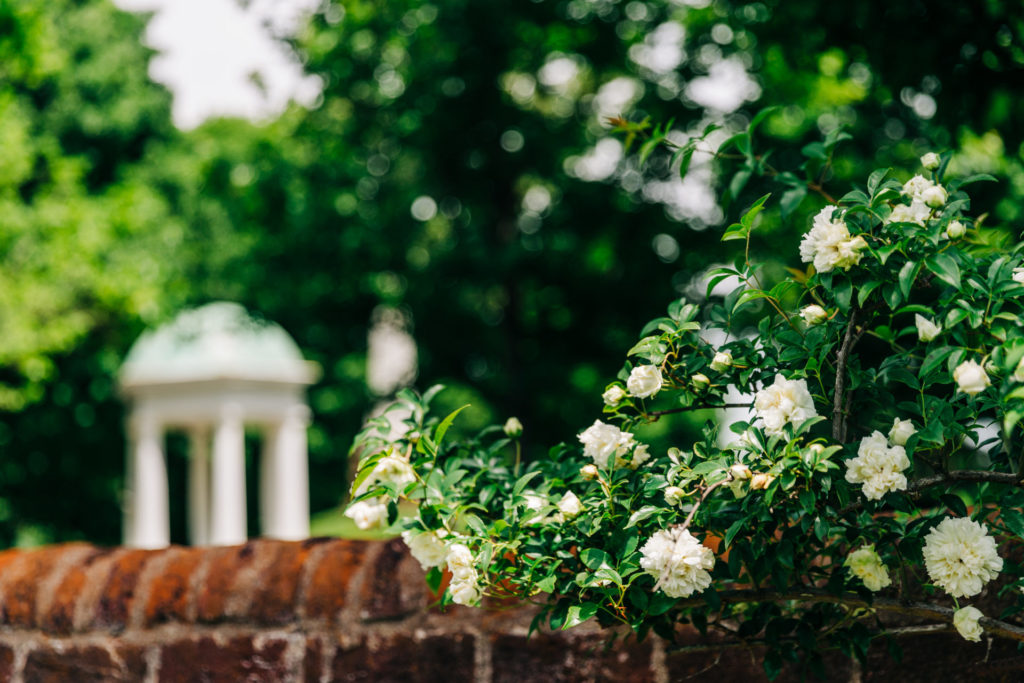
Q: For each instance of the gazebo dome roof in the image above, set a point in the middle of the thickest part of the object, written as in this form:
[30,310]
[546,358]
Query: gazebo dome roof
[220,340]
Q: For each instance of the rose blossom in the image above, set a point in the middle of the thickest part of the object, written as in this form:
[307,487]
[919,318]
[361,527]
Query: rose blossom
[971,377]
[678,562]
[428,549]
[721,361]
[961,557]
[829,245]
[613,396]
[878,467]
[930,161]
[965,620]
[813,314]
[866,565]
[901,431]
[644,381]
[926,329]
[785,401]
[601,442]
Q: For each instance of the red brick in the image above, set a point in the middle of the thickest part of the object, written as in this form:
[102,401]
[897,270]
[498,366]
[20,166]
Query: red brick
[233,660]
[313,660]
[120,589]
[569,658]
[80,664]
[170,590]
[60,616]
[276,600]
[6,662]
[395,585]
[329,581]
[21,580]
[225,564]
[403,659]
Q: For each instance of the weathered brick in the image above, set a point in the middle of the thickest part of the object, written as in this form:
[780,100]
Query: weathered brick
[394,585]
[120,589]
[59,617]
[313,660]
[276,600]
[82,664]
[237,659]
[569,658]
[169,591]
[21,580]
[927,658]
[6,662]
[329,581]
[226,566]
[405,659]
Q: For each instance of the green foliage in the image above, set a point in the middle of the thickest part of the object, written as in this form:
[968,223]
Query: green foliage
[870,433]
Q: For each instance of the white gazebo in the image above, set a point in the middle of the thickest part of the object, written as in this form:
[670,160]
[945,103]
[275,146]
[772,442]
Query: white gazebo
[210,372]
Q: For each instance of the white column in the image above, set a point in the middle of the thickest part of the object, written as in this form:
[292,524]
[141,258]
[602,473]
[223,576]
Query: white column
[150,525]
[227,500]
[199,486]
[285,477]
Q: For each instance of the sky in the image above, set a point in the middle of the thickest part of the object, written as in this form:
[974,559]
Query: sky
[209,51]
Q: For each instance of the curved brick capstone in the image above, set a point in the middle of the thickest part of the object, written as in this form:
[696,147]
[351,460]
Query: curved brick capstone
[343,610]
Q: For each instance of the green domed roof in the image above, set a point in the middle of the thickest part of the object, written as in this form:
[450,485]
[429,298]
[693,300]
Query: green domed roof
[216,341]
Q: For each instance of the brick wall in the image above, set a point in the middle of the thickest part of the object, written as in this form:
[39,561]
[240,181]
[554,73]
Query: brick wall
[335,610]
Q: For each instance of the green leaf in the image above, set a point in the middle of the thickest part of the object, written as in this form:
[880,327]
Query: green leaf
[735,232]
[761,116]
[907,275]
[945,268]
[446,423]
[641,514]
[748,218]
[594,558]
[791,200]
[685,155]
[876,178]
[739,181]
[577,614]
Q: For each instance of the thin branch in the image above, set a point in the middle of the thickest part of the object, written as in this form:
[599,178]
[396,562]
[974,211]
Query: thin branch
[977,476]
[659,413]
[924,610]
[842,357]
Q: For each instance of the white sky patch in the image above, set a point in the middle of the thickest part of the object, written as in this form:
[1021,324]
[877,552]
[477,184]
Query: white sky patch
[221,59]
[726,87]
[615,97]
[597,164]
[662,49]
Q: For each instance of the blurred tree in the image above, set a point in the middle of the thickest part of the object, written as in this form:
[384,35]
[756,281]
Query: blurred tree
[83,258]
[456,170]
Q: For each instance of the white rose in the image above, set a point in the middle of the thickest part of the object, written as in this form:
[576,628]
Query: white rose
[570,505]
[926,329]
[368,514]
[955,230]
[700,381]
[602,442]
[916,187]
[761,481]
[867,566]
[740,472]
[965,620]
[934,197]
[465,592]
[721,361]
[513,427]
[674,495]
[971,377]
[1018,275]
[901,431]
[878,466]
[613,396]
[813,314]
[589,472]
[644,381]
[930,161]
[961,557]
[460,559]
[828,243]
[785,401]
[428,549]
[917,212]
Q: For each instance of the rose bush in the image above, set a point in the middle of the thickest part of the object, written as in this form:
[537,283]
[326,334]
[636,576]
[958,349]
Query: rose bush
[877,470]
